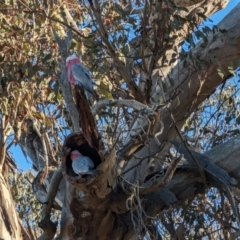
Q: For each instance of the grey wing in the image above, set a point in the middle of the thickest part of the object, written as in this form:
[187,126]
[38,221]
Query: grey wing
[86,71]
[82,76]
[82,164]
[79,166]
[88,161]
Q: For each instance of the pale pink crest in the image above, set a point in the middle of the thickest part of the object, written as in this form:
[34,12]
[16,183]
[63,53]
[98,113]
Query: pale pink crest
[69,62]
[72,60]
[75,154]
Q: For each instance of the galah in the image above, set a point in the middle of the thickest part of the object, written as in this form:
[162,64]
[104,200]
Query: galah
[79,75]
[82,165]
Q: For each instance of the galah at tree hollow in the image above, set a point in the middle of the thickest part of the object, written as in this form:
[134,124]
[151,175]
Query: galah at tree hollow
[79,75]
[82,165]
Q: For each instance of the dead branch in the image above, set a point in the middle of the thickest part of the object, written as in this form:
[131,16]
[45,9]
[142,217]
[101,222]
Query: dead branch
[46,224]
[86,120]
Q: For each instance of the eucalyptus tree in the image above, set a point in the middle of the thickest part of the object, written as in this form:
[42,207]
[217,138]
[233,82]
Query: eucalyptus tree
[163,135]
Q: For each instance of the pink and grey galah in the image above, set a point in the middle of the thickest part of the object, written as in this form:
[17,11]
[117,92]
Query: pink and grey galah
[82,165]
[79,75]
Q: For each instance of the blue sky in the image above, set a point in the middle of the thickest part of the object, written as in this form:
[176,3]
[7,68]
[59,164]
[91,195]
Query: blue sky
[217,17]
[25,164]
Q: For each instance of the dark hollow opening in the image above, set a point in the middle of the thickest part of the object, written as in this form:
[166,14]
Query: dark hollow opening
[77,142]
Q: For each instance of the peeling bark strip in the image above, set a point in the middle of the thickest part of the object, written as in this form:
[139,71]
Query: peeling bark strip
[86,119]
[10,226]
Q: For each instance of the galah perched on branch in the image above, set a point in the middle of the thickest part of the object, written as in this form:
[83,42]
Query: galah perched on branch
[82,165]
[79,75]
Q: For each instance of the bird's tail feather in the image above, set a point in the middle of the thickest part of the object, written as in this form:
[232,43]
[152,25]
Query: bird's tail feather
[95,95]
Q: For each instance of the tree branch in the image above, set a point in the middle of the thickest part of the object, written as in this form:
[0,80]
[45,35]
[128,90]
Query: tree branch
[156,184]
[138,106]
[187,182]
[46,224]
[66,89]
[136,92]
[193,87]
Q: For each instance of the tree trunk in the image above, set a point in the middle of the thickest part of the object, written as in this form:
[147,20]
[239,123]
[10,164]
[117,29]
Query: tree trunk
[110,218]
[117,202]
[91,213]
[11,227]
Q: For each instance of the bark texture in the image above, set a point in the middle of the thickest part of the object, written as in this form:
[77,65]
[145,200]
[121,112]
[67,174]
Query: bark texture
[11,227]
[131,186]
[135,186]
